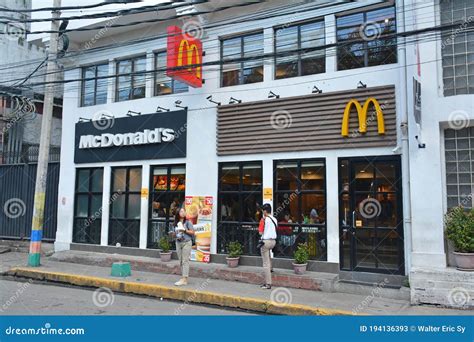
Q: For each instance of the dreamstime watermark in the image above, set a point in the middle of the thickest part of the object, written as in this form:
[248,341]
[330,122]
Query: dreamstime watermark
[281,119]
[103,119]
[14,30]
[192,298]
[281,296]
[461,29]
[286,202]
[370,31]
[370,208]
[14,298]
[103,297]
[98,213]
[459,297]
[101,33]
[367,300]
[192,27]
[14,208]
[458,119]
[46,330]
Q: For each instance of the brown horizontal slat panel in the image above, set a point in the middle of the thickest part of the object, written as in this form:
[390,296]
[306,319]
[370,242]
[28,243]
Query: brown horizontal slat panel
[338,96]
[316,122]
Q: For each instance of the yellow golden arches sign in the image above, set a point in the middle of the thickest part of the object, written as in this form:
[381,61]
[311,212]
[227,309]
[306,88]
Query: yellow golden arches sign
[362,116]
[191,50]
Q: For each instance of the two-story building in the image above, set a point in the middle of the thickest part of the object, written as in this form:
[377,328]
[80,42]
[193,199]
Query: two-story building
[308,106]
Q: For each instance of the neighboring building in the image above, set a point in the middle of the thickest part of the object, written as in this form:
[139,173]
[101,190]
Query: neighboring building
[19,57]
[368,204]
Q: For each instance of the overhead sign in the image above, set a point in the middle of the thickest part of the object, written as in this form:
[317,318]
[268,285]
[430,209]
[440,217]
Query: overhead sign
[142,137]
[362,116]
[184,57]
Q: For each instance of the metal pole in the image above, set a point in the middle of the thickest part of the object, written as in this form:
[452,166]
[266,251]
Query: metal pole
[43,155]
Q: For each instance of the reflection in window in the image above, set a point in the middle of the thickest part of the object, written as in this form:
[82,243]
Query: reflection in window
[165,85]
[300,206]
[131,78]
[239,201]
[124,222]
[290,42]
[94,88]
[242,72]
[372,31]
[88,206]
[167,197]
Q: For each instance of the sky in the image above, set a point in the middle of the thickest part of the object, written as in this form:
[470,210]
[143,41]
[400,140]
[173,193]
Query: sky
[77,23]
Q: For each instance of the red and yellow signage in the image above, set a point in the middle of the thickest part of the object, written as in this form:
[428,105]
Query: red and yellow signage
[362,115]
[184,50]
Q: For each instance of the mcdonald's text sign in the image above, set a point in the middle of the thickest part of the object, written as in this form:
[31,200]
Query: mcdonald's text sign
[184,57]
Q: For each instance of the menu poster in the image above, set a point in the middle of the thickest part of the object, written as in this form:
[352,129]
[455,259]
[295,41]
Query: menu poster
[199,212]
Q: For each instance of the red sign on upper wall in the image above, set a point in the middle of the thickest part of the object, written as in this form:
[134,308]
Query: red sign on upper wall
[184,50]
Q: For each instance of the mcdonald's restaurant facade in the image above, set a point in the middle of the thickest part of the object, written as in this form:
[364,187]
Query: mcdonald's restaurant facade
[323,146]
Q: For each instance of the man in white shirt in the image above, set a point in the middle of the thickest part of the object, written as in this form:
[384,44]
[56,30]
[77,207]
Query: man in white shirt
[269,240]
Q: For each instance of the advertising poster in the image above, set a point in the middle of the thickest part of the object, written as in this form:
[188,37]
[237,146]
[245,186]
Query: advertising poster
[199,212]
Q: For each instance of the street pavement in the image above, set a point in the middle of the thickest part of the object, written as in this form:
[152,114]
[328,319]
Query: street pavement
[26,298]
[360,304]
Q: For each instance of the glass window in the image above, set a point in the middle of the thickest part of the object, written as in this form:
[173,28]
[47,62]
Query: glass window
[94,88]
[125,204]
[130,81]
[300,206]
[168,186]
[371,31]
[459,155]
[163,84]
[236,72]
[239,201]
[88,206]
[457,48]
[290,45]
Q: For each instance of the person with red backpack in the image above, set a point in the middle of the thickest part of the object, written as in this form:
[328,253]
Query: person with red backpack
[267,243]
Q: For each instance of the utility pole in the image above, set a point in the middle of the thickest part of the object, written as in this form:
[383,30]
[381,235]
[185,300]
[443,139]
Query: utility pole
[43,155]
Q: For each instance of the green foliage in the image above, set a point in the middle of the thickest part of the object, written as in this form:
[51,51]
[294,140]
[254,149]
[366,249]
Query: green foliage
[234,249]
[164,244]
[460,229]
[301,254]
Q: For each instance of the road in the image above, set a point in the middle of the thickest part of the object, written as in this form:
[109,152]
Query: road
[25,298]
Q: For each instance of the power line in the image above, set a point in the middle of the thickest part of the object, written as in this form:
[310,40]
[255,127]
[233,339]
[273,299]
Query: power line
[206,27]
[63,8]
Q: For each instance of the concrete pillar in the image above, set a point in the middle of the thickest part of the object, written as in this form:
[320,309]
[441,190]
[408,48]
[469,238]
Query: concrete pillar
[332,209]
[104,231]
[144,207]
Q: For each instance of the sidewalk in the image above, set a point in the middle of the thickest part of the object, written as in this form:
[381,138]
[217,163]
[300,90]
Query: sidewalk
[216,292]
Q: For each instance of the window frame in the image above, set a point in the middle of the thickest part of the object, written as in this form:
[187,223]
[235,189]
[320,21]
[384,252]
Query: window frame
[298,54]
[172,80]
[83,83]
[299,193]
[126,192]
[365,42]
[241,63]
[133,60]
[166,192]
[89,194]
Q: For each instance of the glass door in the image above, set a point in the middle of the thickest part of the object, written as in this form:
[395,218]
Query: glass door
[371,224]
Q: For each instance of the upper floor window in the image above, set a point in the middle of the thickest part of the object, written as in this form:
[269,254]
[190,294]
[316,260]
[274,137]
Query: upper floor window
[291,59]
[131,79]
[94,89]
[242,72]
[370,30]
[457,47]
[164,84]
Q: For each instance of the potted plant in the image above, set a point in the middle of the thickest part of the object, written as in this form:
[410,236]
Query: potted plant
[164,244]
[460,231]
[235,251]
[301,258]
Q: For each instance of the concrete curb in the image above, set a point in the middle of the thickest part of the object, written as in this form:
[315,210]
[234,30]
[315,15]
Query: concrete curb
[180,294]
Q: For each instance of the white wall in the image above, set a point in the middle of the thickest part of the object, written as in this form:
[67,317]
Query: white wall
[202,161]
